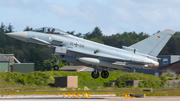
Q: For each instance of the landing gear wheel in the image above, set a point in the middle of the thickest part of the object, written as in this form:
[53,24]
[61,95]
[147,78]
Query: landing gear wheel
[104,74]
[56,67]
[95,74]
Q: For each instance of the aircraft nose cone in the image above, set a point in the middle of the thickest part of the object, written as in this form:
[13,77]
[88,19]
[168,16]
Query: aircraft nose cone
[18,35]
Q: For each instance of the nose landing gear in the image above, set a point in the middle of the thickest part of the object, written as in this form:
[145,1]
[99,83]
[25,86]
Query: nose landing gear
[56,67]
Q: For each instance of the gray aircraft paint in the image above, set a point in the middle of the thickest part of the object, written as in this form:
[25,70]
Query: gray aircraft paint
[79,50]
[153,45]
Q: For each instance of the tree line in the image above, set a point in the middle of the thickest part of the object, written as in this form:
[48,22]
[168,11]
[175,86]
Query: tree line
[44,60]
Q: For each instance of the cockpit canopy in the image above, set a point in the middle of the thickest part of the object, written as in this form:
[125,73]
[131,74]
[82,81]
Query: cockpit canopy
[49,30]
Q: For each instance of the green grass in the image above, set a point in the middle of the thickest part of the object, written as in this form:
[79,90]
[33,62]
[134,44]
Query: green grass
[42,83]
[46,78]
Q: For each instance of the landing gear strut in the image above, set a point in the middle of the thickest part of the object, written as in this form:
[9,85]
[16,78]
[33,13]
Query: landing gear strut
[104,74]
[56,67]
[95,74]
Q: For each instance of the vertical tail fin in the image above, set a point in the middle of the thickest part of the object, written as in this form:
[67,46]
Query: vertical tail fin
[154,44]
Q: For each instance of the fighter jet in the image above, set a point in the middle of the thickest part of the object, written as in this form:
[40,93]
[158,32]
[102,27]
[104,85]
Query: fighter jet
[81,51]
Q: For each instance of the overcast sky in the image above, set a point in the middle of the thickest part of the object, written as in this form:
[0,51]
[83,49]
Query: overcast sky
[111,16]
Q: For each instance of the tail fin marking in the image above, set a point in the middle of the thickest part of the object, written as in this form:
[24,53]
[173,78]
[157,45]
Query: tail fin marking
[154,44]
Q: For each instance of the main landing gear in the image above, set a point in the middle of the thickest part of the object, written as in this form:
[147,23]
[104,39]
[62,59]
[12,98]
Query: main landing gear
[104,74]
[95,74]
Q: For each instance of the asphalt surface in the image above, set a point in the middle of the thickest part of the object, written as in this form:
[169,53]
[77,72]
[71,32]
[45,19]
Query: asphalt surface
[92,98]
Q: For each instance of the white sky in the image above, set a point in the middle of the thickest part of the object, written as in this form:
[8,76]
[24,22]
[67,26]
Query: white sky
[111,16]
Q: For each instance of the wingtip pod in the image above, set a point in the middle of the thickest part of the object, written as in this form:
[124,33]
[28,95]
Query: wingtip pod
[169,31]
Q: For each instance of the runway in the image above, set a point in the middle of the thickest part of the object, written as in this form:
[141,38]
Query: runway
[93,98]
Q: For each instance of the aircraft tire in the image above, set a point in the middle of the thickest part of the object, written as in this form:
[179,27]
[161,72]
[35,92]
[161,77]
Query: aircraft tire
[95,74]
[56,67]
[104,74]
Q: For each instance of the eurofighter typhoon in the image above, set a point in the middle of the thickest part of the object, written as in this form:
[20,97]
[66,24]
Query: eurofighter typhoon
[81,51]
